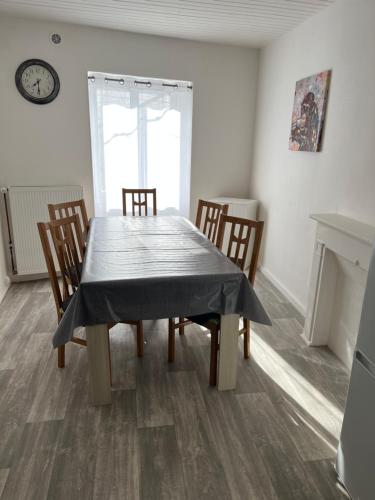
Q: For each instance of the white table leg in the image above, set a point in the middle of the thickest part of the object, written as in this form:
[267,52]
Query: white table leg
[99,364]
[227,376]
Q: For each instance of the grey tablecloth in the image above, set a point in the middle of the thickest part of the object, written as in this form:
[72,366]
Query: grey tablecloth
[152,268]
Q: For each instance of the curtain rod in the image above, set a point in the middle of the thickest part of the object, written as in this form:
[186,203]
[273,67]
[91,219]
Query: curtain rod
[121,81]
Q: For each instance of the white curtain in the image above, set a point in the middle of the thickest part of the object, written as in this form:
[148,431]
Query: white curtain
[140,138]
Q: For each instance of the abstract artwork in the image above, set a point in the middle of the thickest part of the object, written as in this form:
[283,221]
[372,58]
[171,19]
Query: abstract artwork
[309,108]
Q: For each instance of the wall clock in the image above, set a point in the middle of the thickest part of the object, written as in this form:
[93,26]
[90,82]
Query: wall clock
[37,81]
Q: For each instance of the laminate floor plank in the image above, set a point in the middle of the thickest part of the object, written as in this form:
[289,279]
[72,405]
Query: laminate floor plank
[248,378]
[276,304]
[324,476]
[14,326]
[46,320]
[245,473]
[3,479]
[29,477]
[73,474]
[183,360]
[52,393]
[123,357]
[5,377]
[266,289]
[279,455]
[18,396]
[13,301]
[117,456]
[284,380]
[167,434]
[329,374]
[202,468]
[195,335]
[320,383]
[310,437]
[153,402]
[38,313]
[281,335]
[161,473]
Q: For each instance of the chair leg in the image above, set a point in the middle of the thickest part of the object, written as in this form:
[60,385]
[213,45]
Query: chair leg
[171,340]
[140,340]
[181,330]
[246,339]
[61,356]
[213,358]
[110,362]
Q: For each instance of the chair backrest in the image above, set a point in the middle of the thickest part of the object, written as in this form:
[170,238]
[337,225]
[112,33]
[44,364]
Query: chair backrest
[66,238]
[68,208]
[139,199]
[240,231]
[208,217]
[60,232]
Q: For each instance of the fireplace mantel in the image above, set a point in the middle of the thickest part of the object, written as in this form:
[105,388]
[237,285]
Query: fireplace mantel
[337,237]
[351,227]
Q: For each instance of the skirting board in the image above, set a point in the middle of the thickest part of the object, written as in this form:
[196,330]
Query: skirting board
[284,290]
[30,277]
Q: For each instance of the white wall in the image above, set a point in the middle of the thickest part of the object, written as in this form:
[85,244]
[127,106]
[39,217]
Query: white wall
[341,178]
[50,144]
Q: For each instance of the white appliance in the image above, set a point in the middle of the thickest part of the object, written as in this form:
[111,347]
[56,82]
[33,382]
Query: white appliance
[239,207]
[356,453]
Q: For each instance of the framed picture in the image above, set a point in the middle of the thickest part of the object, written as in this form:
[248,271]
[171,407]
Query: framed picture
[310,101]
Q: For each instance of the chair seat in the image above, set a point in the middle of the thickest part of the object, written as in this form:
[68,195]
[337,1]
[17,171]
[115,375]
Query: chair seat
[206,319]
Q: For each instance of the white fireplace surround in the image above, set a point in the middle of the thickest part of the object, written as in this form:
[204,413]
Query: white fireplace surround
[338,276]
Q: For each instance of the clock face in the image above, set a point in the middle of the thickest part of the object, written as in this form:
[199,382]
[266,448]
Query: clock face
[37,81]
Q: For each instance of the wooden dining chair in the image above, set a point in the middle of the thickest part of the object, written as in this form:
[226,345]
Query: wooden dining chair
[139,200]
[237,248]
[207,221]
[61,234]
[68,208]
[208,217]
[71,265]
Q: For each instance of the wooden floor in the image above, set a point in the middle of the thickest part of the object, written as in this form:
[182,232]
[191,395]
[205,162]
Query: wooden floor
[167,434]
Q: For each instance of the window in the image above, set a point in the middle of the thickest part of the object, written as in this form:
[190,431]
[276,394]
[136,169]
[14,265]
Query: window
[140,138]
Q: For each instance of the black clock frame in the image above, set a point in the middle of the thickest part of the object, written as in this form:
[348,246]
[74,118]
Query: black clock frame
[18,78]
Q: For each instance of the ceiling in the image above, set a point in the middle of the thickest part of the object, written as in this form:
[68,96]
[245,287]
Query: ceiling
[241,22]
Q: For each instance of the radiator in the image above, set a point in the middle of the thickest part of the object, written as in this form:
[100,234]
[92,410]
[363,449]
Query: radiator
[26,206]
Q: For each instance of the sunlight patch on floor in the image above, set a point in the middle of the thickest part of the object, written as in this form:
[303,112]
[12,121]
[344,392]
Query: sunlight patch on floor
[297,387]
[299,416]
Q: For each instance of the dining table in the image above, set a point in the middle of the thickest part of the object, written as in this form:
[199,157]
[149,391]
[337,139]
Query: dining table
[150,268]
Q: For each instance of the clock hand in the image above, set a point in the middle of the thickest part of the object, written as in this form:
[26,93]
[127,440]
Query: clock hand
[36,83]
